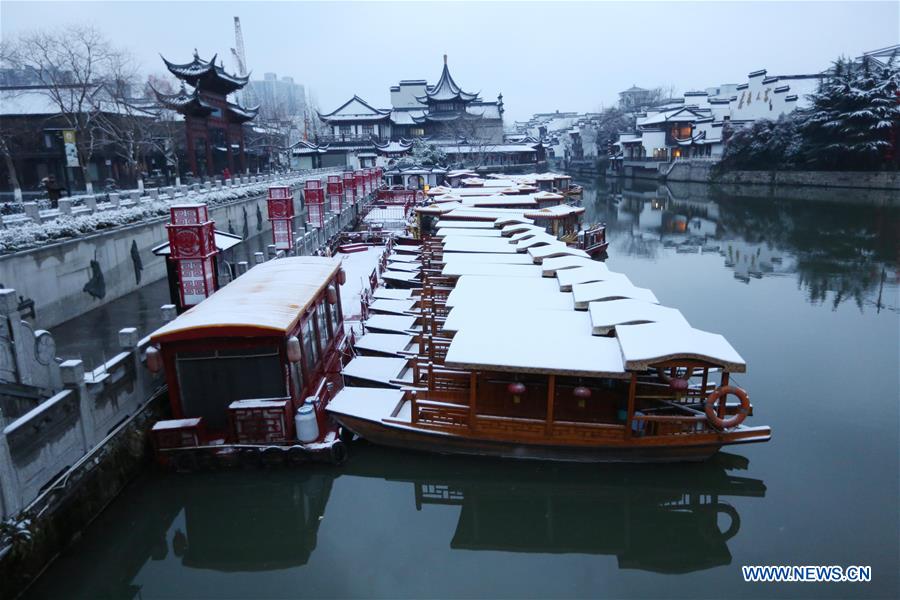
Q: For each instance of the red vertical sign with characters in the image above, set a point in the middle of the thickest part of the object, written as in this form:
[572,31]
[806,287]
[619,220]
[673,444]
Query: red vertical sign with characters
[281,215]
[192,245]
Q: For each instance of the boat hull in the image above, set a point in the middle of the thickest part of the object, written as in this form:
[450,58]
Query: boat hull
[444,443]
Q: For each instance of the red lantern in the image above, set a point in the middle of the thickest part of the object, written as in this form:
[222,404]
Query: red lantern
[342,277]
[516,388]
[331,295]
[582,392]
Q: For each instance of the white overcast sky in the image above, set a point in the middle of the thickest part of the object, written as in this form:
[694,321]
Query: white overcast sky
[543,56]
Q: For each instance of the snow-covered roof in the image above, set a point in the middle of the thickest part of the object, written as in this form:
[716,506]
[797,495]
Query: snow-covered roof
[356,109]
[644,345]
[507,344]
[585,293]
[605,316]
[268,299]
[478,244]
[457,269]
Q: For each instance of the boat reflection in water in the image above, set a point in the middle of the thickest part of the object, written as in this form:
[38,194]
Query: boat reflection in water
[189,530]
[663,519]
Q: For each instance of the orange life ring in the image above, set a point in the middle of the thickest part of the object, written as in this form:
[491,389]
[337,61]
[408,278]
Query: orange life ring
[713,417]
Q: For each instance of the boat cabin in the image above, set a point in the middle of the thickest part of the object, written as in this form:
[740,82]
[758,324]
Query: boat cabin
[259,346]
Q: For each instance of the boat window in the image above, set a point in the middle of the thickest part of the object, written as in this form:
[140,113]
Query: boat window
[324,324]
[209,381]
[310,347]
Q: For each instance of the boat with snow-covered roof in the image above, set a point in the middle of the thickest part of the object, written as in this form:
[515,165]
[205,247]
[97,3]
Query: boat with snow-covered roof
[508,342]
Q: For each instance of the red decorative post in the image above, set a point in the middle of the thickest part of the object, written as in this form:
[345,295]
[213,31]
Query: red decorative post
[370,180]
[192,244]
[360,177]
[335,191]
[349,188]
[281,214]
[379,178]
[315,202]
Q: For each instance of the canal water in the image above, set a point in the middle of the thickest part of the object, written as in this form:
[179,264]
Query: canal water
[805,289]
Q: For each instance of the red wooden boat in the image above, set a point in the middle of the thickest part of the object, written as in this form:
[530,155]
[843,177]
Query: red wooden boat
[241,363]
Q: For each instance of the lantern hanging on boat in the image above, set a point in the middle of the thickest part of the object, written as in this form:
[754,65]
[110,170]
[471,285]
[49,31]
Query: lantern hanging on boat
[516,388]
[341,277]
[331,295]
[294,353]
[582,392]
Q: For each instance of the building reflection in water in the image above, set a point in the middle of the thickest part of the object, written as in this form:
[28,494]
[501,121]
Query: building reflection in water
[838,250]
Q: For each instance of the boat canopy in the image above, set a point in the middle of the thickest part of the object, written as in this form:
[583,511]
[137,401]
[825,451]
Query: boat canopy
[268,299]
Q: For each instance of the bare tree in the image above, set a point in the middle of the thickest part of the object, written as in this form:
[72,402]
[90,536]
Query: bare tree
[71,65]
[472,141]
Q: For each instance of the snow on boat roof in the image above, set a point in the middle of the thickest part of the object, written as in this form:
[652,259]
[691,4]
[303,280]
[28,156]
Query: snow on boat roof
[464,224]
[508,291]
[584,293]
[409,267]
[523,200]
[387,343]
[497,344]
[500,216]
[404,258]
[552,266]
[379,369]
[395,323]
[538,239]
[388,294]
[520,228]
[569,277]
[452,231]
[477,244]
[490,269]
[554,250]
[396,307]
[530,233]
[454,258]
[605,316]
[645,345]
[268,299]
[370,404]
[404,276]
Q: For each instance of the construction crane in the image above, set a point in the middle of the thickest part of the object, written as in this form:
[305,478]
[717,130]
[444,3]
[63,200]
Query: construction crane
[246,97]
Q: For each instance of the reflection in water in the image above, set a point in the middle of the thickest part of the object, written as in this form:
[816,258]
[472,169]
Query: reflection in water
[838,252]
[669,519]
[652,518]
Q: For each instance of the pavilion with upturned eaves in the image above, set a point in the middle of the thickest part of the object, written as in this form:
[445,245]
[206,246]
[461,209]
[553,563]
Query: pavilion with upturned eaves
[213,125]
[440,111]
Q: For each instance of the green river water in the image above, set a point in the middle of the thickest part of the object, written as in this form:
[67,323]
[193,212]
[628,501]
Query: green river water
[804,285]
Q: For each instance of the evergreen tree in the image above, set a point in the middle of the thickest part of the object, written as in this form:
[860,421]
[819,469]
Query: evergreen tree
[853,118]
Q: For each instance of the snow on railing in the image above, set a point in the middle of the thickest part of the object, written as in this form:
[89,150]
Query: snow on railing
[84,214]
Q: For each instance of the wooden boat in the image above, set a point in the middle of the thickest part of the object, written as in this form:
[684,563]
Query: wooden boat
[239,364]
[501,361]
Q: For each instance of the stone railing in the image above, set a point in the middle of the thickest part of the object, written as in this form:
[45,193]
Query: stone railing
[54,436]
[74,412]
[87,204]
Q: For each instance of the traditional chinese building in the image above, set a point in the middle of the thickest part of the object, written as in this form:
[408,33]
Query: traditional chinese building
[444,113]
[213,125]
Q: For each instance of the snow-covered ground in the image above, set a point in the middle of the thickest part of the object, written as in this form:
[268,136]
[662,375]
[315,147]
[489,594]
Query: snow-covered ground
[26,234]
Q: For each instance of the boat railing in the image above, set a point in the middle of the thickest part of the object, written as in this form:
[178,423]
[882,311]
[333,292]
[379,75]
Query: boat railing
[664,425]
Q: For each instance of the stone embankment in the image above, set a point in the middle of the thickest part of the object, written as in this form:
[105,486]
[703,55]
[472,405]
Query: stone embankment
[107,249]
[702,171]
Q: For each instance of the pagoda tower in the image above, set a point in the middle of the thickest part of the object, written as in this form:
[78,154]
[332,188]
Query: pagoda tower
[213,125]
